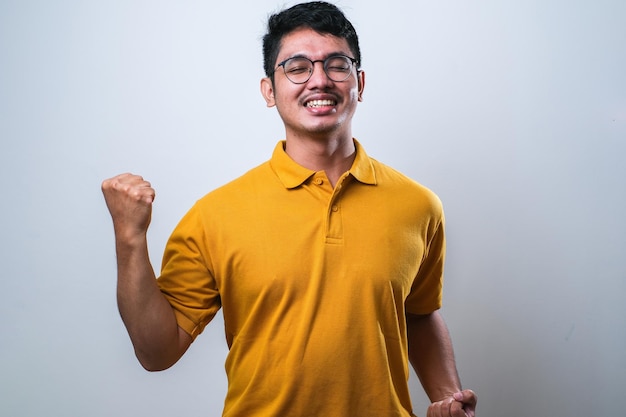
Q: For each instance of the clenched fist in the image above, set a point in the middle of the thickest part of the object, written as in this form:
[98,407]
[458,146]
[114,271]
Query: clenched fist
[460,404]
[129,199]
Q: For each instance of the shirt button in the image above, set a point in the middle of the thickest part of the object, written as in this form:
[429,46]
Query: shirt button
[335,208]
[318,181]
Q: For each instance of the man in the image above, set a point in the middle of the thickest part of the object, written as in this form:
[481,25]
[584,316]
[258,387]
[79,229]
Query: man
[327,264]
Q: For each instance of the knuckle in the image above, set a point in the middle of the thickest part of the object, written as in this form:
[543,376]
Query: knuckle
[135,194]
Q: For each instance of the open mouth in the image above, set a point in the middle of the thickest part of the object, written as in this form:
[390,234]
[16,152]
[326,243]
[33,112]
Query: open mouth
[320,103]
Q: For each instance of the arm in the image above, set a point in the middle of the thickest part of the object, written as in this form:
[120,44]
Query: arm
[148,317]
[432,357]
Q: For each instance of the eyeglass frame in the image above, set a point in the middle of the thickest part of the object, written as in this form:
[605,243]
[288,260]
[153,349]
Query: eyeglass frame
[353,62]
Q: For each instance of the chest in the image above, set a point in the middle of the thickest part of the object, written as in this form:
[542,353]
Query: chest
[320,241]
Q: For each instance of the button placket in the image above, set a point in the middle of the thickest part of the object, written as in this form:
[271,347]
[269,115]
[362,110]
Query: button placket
[334,232]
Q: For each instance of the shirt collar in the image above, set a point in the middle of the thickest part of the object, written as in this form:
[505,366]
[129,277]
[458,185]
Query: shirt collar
[293,175]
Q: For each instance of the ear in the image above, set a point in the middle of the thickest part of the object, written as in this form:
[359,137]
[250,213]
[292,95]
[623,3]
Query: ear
[267,90]
[361,83]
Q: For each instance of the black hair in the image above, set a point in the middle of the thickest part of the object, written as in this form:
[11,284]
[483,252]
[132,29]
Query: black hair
[322,17]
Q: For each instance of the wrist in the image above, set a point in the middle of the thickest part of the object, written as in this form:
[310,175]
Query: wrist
[128,240]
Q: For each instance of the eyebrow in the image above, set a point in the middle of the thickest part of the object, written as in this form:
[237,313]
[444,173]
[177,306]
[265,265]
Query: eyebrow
[301,55]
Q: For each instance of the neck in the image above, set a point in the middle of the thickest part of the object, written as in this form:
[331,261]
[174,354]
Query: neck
[333,155]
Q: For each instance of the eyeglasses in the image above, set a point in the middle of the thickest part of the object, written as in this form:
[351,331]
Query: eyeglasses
[299,69]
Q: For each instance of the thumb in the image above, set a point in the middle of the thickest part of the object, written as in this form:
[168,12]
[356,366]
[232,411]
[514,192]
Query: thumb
[468,399]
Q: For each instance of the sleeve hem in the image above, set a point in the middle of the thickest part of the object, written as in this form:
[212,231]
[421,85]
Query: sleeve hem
[187,325]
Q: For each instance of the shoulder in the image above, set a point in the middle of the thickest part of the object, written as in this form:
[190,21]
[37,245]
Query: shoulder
[253,180]
[228,201]
[392,181]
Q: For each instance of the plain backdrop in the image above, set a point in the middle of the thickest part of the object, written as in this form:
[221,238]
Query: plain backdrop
[514,112]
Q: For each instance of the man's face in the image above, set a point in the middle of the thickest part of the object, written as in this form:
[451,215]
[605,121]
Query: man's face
[319,106]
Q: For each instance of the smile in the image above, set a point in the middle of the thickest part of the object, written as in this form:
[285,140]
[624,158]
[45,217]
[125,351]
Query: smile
[321,103]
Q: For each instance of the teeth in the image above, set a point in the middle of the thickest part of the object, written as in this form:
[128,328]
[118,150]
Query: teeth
[320,103]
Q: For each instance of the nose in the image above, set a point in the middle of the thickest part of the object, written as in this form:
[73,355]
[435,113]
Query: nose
[318,77]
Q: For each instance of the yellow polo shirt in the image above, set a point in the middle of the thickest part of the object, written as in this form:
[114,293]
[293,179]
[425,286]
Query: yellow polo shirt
[314,282]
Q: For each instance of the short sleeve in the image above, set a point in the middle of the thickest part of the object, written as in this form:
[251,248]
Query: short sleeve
[186,278]
[427,289]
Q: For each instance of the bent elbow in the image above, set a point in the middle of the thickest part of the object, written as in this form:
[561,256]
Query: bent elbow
[155,364]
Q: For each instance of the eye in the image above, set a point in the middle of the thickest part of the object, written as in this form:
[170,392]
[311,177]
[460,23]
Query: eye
[297,66]
[338,64]
[297,70]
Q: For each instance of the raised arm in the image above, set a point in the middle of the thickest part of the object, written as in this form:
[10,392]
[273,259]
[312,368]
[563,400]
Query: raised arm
[432,357]
[148,317]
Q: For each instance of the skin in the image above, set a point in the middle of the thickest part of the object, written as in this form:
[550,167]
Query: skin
[318,138]
[149,318]
[432,357]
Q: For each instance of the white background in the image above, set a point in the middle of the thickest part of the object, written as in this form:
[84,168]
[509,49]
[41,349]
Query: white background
[513,112]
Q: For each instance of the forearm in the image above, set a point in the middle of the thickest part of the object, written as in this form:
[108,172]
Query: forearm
[432,355]
[147,315]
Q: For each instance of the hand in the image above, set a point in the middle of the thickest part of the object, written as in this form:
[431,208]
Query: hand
[129,199]
[460,404]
